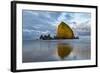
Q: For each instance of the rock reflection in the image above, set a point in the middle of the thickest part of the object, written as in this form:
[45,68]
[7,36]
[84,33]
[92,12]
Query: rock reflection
[64,50]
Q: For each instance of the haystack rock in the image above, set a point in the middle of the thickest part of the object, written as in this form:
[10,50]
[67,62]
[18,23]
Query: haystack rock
[64,31]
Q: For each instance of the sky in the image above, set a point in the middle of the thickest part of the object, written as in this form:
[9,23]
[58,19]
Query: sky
[36,23]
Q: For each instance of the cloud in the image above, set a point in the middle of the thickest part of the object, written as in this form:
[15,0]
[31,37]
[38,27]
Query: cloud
[36,23]
[83,28]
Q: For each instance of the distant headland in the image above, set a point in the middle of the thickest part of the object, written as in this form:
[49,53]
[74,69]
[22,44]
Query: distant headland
[63,32]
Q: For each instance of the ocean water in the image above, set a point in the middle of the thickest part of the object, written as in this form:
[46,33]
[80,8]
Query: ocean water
[56,50]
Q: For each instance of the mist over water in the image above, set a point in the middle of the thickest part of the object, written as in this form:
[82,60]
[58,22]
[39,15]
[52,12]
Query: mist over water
[56,50]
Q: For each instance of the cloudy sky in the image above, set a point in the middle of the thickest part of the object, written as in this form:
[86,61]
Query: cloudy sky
[36,23]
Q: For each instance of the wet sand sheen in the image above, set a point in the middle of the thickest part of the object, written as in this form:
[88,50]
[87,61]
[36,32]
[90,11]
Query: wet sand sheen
[56,50]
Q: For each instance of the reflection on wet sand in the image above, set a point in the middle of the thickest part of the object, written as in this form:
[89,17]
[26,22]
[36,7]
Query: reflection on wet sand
[64,50]
[56,50]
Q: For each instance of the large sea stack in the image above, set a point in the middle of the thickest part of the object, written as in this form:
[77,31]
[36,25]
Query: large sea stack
[64,31]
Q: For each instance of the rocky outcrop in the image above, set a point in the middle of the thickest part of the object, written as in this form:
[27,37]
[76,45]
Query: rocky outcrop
[64,31]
